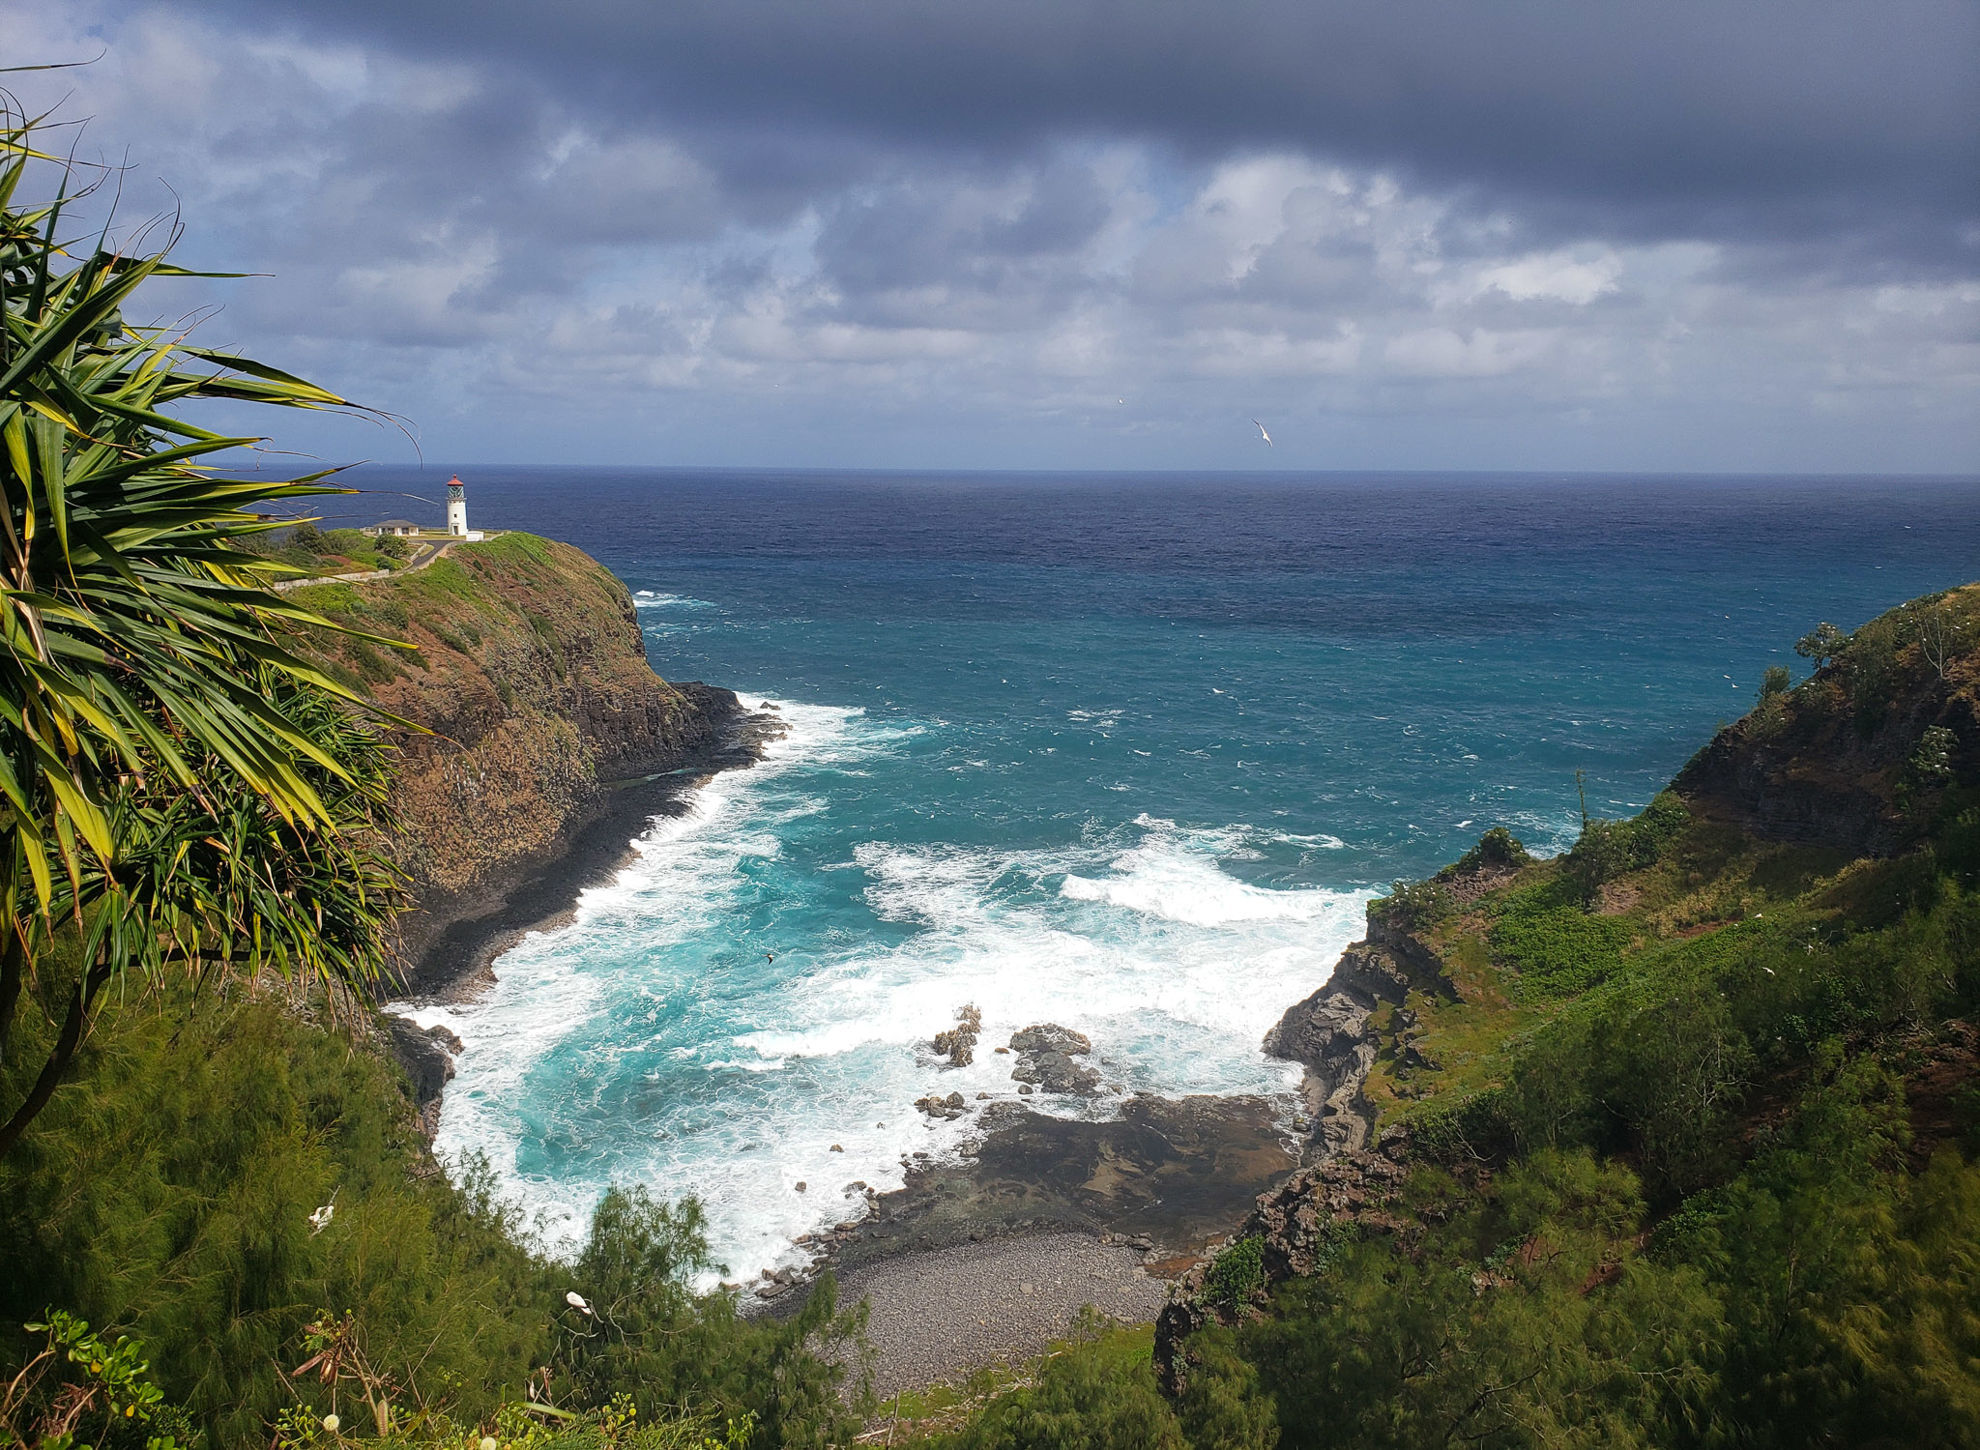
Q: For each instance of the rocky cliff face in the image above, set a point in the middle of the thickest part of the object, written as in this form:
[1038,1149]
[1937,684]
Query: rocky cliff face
[1351,1178]
[1835,763]
[1329,1031]
[531,676]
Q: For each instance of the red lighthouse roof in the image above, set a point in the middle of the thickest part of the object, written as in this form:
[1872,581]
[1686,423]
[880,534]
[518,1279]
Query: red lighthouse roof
[455,482]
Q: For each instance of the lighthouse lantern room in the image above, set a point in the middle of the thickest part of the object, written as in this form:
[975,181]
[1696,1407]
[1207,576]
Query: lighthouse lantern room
[457,507]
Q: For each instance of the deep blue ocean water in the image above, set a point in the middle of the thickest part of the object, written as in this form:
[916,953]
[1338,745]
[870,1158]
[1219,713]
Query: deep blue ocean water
[1126,753]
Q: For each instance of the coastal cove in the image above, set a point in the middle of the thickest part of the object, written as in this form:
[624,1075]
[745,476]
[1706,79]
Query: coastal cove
[1051,820]
[1193,744]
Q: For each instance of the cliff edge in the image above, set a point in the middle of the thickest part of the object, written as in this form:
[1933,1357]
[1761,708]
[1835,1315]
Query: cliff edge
[545,720]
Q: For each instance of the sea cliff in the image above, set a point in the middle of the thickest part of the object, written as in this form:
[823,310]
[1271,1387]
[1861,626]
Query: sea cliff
[538,737]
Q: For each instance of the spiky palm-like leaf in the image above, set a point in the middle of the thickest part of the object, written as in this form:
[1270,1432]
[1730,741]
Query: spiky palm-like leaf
[145,681]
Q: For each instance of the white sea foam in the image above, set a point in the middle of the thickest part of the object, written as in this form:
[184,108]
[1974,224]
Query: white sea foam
[639,1044]
[652,599]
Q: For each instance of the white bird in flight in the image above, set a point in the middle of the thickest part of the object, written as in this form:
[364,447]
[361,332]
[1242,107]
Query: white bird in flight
[1262,433]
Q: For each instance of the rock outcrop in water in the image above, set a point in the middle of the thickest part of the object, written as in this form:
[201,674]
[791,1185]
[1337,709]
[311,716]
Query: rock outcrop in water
[1045,1060]
[958,1044]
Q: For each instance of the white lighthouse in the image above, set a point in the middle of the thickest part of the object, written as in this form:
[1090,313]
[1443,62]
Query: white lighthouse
[457,507]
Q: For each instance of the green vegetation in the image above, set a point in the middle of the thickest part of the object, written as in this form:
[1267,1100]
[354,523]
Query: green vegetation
[1692,1160]
[1237,1273]
[180,794]
[1498,849]
[307,550]
[135,1204]
[1557,947]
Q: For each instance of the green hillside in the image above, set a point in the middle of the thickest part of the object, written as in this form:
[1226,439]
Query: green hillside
[1677,1146]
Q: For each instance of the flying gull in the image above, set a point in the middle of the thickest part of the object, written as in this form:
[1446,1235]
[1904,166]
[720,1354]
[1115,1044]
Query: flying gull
[1262,433]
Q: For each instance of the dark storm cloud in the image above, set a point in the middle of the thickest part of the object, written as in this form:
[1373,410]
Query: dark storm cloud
[1414,233]
[1755,115]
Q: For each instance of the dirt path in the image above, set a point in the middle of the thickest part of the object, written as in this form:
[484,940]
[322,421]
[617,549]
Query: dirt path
[419,561]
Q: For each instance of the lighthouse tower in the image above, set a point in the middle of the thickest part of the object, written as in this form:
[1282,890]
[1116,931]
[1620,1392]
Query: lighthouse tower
[457,507]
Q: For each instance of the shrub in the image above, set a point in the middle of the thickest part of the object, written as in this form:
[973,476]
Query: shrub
[1820,645]
[1088,1397]
[1776,681]
[1414,905]
[1237,1273]
[1473,1129]
[1496,849]
[1933,760]
[1608,849]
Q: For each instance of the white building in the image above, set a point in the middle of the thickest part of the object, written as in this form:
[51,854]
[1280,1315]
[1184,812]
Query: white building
[457,507]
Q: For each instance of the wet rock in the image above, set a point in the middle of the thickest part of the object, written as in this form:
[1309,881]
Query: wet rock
[946,1108]
[1051,1037]
[837,1149]
[425,1054]
[1045,1060]
[1165,1172]
[958,1044]
[799,1185]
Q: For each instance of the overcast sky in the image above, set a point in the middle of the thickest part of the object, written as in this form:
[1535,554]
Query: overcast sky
[1072,233]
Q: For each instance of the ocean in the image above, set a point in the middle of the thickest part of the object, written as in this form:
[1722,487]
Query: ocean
[1126,753]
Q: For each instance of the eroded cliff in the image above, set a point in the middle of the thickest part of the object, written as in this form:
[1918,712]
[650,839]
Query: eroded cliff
[531,681]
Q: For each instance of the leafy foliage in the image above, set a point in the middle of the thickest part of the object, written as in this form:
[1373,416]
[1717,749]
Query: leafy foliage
[1821,644]
[1558,950]
[1415,905]
[135,1204]
[1237,1273]
[1608,849]
[147,700]
[1497,849]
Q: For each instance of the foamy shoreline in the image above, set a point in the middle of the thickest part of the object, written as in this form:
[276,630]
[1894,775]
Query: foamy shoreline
[783,1106]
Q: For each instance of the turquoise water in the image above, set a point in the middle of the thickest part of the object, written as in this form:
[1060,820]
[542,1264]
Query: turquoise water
[1128,754]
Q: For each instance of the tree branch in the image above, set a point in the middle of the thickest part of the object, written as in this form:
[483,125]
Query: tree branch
[59,1057]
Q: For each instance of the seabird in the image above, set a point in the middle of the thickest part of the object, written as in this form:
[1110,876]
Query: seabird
[576,1301]
[1262,433]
